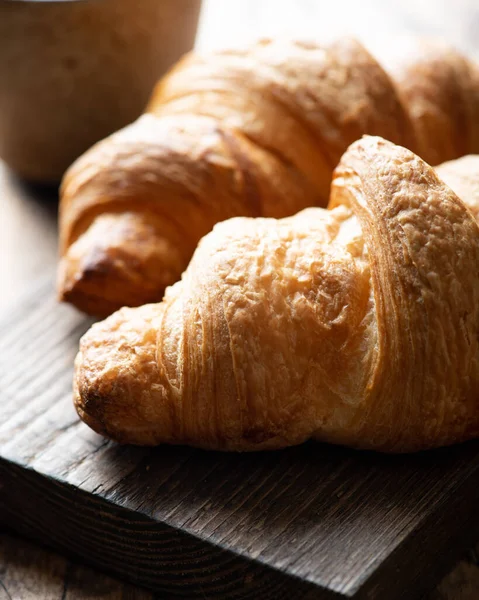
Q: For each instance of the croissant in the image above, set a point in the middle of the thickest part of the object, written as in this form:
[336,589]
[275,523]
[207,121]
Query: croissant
[357,325]
[253,132]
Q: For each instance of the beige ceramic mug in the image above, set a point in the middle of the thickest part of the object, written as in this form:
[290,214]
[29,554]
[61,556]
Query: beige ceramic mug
[71,72]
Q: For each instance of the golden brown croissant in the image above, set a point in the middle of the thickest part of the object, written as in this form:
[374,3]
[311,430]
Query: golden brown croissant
[356,325]
[253,132]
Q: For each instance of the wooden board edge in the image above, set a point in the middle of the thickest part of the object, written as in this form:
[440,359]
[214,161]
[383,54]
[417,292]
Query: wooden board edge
[401,576]
[134,547]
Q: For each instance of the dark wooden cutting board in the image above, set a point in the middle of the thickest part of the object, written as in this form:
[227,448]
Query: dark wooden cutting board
[314,521]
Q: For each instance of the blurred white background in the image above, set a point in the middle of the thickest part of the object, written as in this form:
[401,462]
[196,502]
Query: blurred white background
[232,22]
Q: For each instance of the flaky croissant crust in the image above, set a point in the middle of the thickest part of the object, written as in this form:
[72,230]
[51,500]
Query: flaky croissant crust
[247,132]
[356,325]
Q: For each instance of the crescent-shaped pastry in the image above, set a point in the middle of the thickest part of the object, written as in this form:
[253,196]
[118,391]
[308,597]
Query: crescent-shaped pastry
[254,132]
[357,325]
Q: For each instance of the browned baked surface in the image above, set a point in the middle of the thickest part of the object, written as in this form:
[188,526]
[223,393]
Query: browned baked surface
[356,325]
[253,132]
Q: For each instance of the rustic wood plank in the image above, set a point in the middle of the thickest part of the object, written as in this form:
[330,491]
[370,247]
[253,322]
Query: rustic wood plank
[28,572]
[314,521]
[28,234]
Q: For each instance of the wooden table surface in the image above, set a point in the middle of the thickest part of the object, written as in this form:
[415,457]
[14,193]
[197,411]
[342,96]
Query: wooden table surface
[28,241]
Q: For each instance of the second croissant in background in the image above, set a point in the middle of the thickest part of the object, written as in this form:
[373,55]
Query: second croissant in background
[252,132]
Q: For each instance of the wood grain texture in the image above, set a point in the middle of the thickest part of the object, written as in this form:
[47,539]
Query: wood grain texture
[309,522]
[29,573]
[28,234]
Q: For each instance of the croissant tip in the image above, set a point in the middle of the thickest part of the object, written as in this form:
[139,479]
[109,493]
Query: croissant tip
[93,403]
[89,419]
[86,404]
[120,260]
[77,290]
[100,283]
[89,406]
